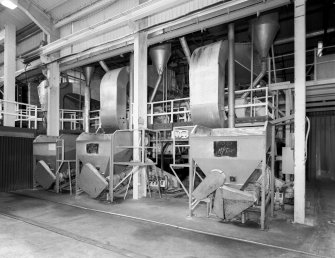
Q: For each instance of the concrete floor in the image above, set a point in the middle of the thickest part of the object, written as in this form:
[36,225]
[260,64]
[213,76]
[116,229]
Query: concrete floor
[43,224]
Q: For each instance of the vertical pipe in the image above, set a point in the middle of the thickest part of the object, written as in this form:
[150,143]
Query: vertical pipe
[87,103]
[152,97]
[231,76]
[186,49]
[131,90]
[272,182]
[287,126]
[263,199]
[252,67]
[299,109]
[190,190]
[273,64]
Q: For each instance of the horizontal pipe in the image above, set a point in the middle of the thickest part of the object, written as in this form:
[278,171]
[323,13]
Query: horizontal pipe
[84,12]
[104,66]
[186,49]
[309,35]
[153,95]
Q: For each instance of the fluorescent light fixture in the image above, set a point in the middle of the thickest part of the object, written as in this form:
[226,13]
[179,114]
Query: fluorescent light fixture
[11,4]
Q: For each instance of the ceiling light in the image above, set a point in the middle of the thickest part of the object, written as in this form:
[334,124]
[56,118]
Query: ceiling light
[11,4]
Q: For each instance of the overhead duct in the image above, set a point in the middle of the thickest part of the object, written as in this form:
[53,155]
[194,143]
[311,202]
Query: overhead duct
[88,73]
[264,29]
[113,99]
[207,83]
[160,56]
[186,49]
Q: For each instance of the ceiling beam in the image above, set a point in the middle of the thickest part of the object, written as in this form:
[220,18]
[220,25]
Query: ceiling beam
[138,12]
[83,12]
[39,17]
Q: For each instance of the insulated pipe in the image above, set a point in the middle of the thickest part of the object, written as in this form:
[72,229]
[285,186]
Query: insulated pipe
[88,73]
[160,76]
[104,66]
[186,49]
[231,76]
[87,104]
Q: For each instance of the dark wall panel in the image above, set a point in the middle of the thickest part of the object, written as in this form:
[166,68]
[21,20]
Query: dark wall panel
[321,146]
[16,163]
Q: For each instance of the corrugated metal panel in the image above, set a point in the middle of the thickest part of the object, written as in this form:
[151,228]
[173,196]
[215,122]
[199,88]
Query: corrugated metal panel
[16,166]
[321,146]
[179,10]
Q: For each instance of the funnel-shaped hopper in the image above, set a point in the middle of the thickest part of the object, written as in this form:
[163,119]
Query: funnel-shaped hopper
[160,56]
[235,151]
[88,73]
[265,29]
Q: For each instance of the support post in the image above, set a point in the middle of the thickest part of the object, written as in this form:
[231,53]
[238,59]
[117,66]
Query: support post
[53,99]
[299,109]
[231,76]
[140,109]
[9,73]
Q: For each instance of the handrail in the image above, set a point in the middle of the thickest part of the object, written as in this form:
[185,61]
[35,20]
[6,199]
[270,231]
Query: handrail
[173,110]
[311,66]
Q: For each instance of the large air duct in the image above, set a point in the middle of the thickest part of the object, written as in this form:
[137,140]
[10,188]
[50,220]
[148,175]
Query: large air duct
[113,100]
[88,73]
[160,56]
[264,29]
[207,84]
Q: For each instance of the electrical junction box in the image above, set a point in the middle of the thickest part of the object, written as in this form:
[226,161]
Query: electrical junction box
[288,160]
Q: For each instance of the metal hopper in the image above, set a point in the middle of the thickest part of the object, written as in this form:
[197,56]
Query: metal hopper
[229,157]
[50,155]
[160,56]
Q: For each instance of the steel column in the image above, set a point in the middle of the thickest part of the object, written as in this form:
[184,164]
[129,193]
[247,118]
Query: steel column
[9,73]
[53,99]
[140,108]
[300,109]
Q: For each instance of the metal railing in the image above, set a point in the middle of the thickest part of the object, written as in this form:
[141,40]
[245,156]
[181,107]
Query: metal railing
[70,119]
[30,116]
[260,103]
[284,64]
[25,115]
[169,111]
[95,121]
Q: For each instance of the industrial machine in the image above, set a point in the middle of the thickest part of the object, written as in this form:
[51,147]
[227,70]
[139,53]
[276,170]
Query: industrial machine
[54,162]
[95,151]
[104,162]
[55,157]
[234,160]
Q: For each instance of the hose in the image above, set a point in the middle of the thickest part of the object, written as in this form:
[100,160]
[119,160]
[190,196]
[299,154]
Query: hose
[307,134]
